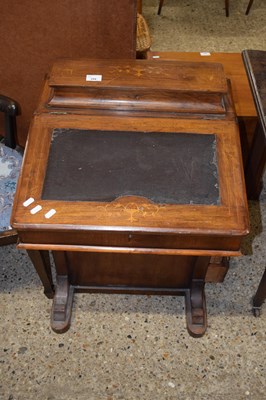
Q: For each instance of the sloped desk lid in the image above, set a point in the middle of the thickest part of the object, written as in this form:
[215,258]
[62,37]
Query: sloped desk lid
[225,211]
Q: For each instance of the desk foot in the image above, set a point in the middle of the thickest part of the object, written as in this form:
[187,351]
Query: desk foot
[196,314]
[260,296]
[62,305]
[256,311]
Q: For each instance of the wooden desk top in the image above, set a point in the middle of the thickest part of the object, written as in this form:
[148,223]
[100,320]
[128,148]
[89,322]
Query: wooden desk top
[234,70]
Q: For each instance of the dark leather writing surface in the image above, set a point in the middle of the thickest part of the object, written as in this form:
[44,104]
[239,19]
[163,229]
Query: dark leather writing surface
[166,168]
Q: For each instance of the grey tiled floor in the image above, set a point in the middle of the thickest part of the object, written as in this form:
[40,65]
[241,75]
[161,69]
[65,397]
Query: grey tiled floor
[137,347]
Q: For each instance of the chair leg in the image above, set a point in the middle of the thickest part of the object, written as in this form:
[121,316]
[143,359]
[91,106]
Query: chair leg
[160,7]
[249,6]
[227,8]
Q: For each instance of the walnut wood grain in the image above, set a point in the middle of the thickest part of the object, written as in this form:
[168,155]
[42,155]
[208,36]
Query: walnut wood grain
[178,88]
[229,216]
[234,70]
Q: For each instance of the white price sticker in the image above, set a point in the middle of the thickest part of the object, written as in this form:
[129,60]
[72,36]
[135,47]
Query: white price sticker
[50,213]
[36,209]
[93,78]
[28,202]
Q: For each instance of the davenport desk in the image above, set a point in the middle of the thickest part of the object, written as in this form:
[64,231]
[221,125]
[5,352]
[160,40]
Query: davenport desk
[133,179]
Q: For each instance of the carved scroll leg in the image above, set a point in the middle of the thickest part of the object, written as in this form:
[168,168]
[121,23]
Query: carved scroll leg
[196,314]
[41,262]
[62,305]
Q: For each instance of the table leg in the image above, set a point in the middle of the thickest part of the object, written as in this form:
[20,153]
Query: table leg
[64,295]
[256,164]
[41,262]
[195,302]
[259,296]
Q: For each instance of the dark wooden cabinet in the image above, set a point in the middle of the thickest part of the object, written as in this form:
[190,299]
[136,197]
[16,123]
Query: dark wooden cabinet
[135,177]
[255,63]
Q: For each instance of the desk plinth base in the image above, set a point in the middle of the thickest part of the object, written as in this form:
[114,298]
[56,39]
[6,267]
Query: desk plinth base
[196,313]
[75,273]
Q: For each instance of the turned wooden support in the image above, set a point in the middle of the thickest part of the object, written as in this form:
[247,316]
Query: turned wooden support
[64,293]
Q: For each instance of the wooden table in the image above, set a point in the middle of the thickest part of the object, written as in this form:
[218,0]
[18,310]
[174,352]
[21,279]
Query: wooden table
[234,70]
[242,97]
[135,169]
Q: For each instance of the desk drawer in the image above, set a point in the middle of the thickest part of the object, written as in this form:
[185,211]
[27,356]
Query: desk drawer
[129,240]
